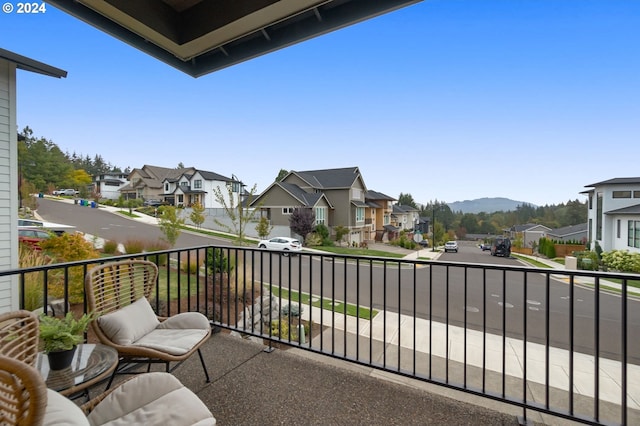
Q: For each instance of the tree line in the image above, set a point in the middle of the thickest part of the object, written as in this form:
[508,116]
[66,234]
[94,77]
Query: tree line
[43,167]
[459,224]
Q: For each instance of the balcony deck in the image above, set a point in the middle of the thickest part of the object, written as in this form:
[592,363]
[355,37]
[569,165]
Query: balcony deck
[250,386]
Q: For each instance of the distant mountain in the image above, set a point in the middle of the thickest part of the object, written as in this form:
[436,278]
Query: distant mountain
[487,205]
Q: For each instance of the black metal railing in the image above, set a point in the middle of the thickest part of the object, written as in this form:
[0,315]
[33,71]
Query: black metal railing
[558,342]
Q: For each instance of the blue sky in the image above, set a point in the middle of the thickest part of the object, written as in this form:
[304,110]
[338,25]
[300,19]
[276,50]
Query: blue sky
[447,99]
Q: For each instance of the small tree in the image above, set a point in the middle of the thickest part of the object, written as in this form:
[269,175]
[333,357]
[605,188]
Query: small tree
[302,221]
[263,228]
[170,224]
[197,214]
[234,207]
[341,231]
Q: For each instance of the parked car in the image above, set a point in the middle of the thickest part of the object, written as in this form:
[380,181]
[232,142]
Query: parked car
[68,191]
[57,228]
[32,237]
[153,203]
[451,246]
[284,244]
[485,246]
[501,246]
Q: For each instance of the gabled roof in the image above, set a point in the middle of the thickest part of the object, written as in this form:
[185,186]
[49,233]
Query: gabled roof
[616,181]
[213,176]
[153,176]
[328,178]
[569,230]
[403,209]
[202,36]
[374,195]
[527,226]
[635,209]
[307,199]
[28,64]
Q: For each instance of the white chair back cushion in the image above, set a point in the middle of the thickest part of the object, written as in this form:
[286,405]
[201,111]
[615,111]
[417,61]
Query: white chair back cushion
[130,323]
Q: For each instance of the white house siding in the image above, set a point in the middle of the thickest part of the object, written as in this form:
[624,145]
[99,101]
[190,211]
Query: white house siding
[8,186]
[609,240]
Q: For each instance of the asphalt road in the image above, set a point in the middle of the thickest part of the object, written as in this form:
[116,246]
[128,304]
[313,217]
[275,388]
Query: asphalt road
[457,290]
[114,227]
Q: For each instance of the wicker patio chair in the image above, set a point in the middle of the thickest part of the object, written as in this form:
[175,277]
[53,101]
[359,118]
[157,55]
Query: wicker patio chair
[23,393]
[153,398]
[19,336]
[119,292]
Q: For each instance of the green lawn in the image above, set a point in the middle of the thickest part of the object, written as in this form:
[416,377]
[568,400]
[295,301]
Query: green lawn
[340,307]
[358,251]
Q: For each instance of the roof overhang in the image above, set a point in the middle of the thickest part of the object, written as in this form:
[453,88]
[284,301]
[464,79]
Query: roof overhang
[202,36]
[28,64]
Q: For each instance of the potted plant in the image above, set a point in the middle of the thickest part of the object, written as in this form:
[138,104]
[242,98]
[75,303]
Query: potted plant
[60,337]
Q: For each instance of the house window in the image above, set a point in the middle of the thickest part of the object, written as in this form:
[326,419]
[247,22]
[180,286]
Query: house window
[184,184]
[636,194]
[621,194]
[321,213]
[359,214]
[590,202]
[618,228]
[166,187]
[356,193]
[197,184]
[287,210]
[386,219]
[634,233]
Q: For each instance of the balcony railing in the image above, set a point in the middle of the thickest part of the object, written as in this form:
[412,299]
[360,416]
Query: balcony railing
[557,342]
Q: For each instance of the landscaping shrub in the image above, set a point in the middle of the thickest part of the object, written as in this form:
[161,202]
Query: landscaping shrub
[110,247]
[133,246]
[292,309]
[217,261]
[159,245]
[622,261]
[190,267]
[587,260]
[546,248]
[68,248]
[33,291]
[313,240]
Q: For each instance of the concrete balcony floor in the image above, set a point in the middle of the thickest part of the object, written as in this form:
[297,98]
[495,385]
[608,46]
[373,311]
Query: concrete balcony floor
[252,387]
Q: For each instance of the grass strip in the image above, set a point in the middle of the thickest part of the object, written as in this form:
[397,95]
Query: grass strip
[328,304]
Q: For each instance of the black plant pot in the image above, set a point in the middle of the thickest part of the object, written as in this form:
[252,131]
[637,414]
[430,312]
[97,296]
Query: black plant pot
[59,360]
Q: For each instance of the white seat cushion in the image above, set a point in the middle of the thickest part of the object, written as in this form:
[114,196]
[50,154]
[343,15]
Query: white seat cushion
[62,411]
[130,323]
[152,398]
[175,342]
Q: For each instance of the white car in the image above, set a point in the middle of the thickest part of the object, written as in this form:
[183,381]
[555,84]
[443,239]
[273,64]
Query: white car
[451,246]
[283,244]
[57,228]
[68,191]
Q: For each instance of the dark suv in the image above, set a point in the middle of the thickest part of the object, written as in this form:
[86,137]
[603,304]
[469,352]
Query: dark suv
[501,247]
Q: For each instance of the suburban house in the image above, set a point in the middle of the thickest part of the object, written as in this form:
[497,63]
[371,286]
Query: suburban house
[405,217]
[378,216]
[9,63]
[337,197]
[147,183]
[569,233]
[530,233]
[198,187]
[614,214]
[108,185]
